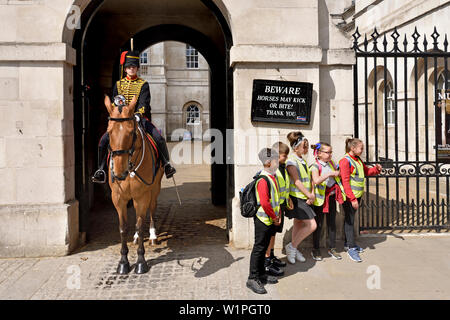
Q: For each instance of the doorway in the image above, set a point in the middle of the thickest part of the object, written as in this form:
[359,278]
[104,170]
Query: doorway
[106,29]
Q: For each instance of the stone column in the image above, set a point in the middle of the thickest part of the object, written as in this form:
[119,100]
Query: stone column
[38,210]
[298,43]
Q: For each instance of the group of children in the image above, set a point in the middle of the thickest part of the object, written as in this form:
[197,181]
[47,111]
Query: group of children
[306,194]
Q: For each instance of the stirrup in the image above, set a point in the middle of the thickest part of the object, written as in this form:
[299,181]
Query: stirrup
[95,179]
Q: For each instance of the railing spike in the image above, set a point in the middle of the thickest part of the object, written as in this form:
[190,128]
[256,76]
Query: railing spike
[416,37]
[435,35]
[356,36]
[395,35]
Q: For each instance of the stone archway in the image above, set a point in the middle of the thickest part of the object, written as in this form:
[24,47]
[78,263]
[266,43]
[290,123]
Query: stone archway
[99,43]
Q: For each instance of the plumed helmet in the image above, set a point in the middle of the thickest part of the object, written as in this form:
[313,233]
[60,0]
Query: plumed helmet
[129,58]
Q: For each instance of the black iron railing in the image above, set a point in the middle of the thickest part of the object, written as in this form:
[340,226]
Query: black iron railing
[403,116]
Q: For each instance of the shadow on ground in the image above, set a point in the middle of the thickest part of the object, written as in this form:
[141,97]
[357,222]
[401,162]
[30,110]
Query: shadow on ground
[365,242]
[195,230]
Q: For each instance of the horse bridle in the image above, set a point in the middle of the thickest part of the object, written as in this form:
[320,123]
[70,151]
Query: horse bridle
[130,151]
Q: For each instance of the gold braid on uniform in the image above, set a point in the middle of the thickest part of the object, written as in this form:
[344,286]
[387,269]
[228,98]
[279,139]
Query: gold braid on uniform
[129,89]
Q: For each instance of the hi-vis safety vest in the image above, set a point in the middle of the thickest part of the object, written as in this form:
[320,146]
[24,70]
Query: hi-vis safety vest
[283,185]
[274,201]
[304,176]
[356,177]
[319,189]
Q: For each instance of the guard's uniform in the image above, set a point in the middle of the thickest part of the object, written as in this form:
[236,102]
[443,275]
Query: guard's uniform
[138,87]
[129,88]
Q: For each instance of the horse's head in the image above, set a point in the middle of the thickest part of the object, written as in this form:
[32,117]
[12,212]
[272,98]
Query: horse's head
[121,129]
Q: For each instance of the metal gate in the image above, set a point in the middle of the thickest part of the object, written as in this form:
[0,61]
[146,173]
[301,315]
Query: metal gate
[402,113]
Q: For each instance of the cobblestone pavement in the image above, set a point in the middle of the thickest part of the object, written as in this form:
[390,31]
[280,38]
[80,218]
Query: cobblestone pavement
[192,260]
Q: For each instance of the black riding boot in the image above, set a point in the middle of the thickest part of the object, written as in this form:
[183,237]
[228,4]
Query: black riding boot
[168,169]
[100,174]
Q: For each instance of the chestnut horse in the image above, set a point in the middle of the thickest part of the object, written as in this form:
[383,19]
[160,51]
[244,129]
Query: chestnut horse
[131,176]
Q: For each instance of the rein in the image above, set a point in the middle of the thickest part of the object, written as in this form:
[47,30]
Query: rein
[130,152]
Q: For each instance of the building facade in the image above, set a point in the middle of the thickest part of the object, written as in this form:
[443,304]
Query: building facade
[56,60]
[179,83]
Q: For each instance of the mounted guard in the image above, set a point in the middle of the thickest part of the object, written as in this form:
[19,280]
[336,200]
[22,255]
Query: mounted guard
[124,91]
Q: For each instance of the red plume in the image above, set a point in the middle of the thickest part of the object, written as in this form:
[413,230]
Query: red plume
[122,57]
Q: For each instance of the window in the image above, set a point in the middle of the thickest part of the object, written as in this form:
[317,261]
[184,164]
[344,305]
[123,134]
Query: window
[442,109]
[192,115]
[191,57]
[442,83]
[390,106]
[144,58]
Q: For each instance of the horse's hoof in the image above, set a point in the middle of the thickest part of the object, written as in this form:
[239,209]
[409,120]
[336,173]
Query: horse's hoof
[141,268]
[123,268]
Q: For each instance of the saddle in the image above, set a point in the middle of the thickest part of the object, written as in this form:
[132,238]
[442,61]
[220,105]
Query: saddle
[148,136]
[153,144]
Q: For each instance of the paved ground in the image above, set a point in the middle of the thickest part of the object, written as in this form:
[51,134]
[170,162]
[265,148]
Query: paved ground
[192,260]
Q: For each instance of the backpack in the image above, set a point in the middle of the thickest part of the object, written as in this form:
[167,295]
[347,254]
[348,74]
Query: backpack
[247,196]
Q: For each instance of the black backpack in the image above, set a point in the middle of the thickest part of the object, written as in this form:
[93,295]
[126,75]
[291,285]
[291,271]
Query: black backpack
[247,196]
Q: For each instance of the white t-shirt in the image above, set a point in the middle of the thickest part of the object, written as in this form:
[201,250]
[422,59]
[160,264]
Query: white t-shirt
[291,162]
[326,168]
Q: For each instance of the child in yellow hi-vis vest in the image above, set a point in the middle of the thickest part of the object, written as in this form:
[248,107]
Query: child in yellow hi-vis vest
[265,220]
[328,189]
[302,196]
[353,173]
[272,264]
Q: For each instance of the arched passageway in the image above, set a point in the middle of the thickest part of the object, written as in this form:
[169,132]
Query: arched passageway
[106,29]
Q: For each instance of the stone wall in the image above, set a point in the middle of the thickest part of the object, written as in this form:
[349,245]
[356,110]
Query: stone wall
[38,208]
[310,48]
[279,40]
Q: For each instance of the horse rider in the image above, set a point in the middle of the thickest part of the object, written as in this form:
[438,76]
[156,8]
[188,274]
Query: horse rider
[125,89]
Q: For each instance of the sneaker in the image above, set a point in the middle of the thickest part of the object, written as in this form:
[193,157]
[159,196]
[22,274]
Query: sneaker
[256,286]
[315,253]
[272,269]
[290,253]
[278,263]
[354,255]
[358,248]
[299,256]
[332,252]
[268,279]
